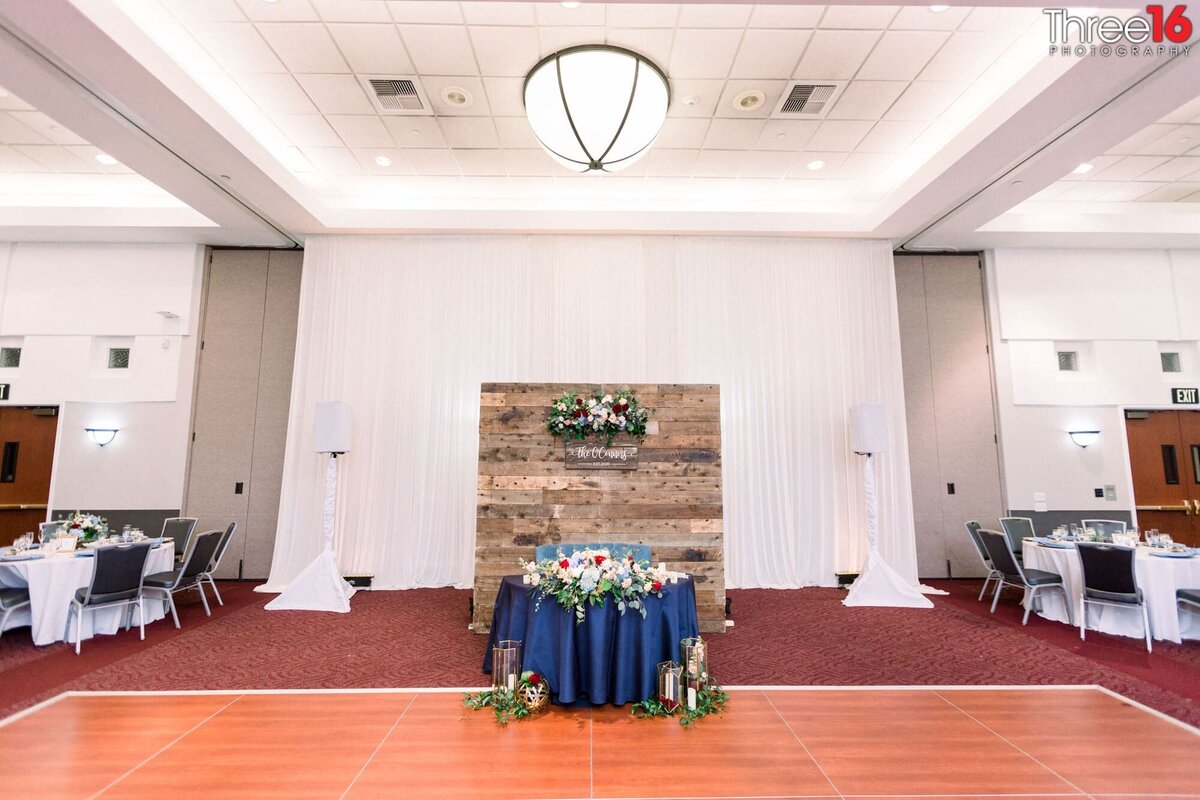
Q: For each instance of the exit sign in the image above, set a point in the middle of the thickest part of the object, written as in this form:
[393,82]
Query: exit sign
[1185,397]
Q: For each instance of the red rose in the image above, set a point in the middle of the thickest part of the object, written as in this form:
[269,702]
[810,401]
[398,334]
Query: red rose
[631,559]
[658,586]
[535,679]
[578,401]
[599,560]
[564,563]
[75,525]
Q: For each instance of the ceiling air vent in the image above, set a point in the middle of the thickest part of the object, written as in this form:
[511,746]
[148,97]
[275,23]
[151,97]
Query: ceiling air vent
[808,99]
[401,95]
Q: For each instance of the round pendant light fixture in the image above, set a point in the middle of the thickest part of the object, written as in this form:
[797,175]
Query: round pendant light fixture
[596,107]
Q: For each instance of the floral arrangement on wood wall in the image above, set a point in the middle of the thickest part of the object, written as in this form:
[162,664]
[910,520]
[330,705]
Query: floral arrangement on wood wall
[576,416]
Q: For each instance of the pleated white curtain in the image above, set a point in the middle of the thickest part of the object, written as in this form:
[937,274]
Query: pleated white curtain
[405,329]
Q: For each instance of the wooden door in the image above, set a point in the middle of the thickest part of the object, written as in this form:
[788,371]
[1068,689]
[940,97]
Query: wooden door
[1164,460]
[26,456]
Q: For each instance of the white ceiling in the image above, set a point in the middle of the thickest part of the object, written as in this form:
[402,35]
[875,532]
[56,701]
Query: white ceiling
[262,102]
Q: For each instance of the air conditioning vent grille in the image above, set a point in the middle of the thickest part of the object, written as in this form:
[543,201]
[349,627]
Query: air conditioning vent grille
[397,94]
[118,358]
[808,99]
[1068,361]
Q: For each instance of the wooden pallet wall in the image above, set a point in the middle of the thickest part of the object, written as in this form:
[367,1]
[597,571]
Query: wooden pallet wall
[672,501]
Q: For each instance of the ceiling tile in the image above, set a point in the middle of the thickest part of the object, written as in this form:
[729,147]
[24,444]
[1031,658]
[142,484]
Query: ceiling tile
[1129,192]
[860,166]
[858,17]
[726,106]
[713,15]
[733,134]
[1147,135]
[505,51]
[504,96]
[964,57]
[481,162]
[53,158]
[653,43]
[550,13]
[901,55]
[998,19]
[551,39]
[434,84]
[769,54]
[398,164]
[307,130]
[498,13]
[767,164]
[439,49]
[1188,112]
[1127,168]
[835,135]
[420,132]
[1172,193]
[13,131]
[1098,163]
[372,49]
[236,46]
[892,136]
[13,161]
[515,133]
[88,153]
[671,163]
[352,10]
[277,94]
[638,15]
[866,99]
[361,130]
[1173,170]
[425,12]
[835,55]
[469,132]
[432,162]
[924,100]
[303,46]
[1178,141]
[528,162]
[786,134]
[923,18]
[718,163]
[257,10]
[47,127]
[706,93]
[10,102]
[1086,191]
[336,94]
[682,132]
[703,53]
[333,160]
[786,16]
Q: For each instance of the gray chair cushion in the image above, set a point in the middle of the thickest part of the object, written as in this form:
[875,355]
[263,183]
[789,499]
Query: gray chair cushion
[162,580]
[13,597]
[1188,595]
[1037,577]
[1114,597]
[101,599]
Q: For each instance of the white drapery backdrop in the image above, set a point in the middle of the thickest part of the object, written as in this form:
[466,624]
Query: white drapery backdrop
[405,329]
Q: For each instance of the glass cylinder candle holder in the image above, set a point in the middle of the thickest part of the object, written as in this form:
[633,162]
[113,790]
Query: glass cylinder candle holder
[506,664]
[693,652]
[670,679]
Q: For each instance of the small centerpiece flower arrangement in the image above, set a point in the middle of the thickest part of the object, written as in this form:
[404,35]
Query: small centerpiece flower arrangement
[589,577]
[531,694]
[575,416]
[88,527]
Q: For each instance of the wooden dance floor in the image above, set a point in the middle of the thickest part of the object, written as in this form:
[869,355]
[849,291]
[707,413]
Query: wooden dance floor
[955,742]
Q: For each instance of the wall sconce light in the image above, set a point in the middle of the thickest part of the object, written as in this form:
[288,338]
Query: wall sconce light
[1084,438]
[101,436]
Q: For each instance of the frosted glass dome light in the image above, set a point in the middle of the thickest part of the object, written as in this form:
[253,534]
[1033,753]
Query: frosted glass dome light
[596,107]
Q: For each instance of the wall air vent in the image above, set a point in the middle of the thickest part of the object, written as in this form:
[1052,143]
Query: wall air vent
[396,95]
[808,99]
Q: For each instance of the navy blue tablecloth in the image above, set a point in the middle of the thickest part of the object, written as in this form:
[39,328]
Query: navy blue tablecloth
[609,657]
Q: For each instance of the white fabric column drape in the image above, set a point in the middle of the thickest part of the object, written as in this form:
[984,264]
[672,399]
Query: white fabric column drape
[405,329]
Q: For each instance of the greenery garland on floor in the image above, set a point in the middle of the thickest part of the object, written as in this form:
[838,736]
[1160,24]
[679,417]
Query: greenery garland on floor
[711,699]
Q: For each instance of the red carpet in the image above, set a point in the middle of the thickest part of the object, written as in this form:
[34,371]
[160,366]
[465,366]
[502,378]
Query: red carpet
[420,638]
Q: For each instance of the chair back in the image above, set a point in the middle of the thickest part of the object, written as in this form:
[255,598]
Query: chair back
[222,546]
[641,552]
[118,572]
[204,547]
[1000,551]
[180,529]
[973,531]
[1105,528]
[1017,529]
[1108,571]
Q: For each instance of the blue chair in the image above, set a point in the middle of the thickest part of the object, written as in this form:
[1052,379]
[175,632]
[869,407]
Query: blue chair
[641,552]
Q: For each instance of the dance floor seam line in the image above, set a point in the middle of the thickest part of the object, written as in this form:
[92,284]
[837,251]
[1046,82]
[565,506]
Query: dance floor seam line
[378,747]
[807,752]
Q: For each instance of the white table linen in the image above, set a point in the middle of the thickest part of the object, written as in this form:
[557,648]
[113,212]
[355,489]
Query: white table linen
[52,582]
[1157,577]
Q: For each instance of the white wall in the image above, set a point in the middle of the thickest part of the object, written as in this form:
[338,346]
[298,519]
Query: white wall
[1118,309]
[65,304]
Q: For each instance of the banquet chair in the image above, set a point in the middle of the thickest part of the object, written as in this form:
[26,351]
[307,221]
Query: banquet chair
[117,574]
[1017,529]
[11,599]
[180,529]
[1105,528]
[207,575]
[641,552]
[973,531]
[196,560]
[1189,596]
[1110,579]
[1012,573]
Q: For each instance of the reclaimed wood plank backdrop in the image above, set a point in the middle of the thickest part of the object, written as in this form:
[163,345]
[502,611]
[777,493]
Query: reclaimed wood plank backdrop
[672,501]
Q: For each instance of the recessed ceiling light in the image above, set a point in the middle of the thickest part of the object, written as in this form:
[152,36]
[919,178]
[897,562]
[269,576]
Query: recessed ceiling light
[270,1]
[815,165]
[939,9]
[749,100]
[569,4]
[456,96]
[781,136]
[1082,168]
[105,159]
[225,178]
[690,100]
[383,161]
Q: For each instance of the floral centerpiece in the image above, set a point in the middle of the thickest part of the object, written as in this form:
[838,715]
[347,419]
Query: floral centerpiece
[88,527]
[592,576]
[577,417]
[532,694]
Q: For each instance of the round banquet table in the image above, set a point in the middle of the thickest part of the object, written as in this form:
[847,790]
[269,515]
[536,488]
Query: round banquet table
[1157,577]
[52,582]
[609,657]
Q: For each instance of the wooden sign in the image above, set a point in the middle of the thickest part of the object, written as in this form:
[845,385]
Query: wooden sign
[589,455]
[1185,397]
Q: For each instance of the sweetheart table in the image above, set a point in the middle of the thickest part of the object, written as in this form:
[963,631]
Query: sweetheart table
[609,657]
[52,582]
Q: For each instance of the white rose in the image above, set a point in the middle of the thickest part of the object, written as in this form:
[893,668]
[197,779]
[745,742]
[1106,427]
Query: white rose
[534,579]
[625,584]
[607,398]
